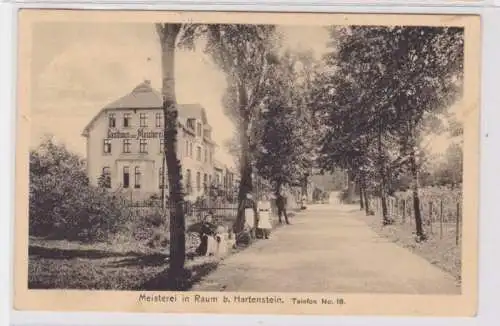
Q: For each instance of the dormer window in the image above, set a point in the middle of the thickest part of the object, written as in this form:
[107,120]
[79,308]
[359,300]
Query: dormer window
[198,129]
[190,124]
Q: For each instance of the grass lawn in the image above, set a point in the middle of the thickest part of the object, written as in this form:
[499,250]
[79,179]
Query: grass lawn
[70,265]
[441,252]
[59,264]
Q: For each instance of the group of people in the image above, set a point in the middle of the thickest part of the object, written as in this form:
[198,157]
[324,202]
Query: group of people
[257,220]
[258,214]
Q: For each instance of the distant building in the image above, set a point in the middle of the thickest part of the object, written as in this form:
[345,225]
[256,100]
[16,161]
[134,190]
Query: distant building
[225,179]
[125,146]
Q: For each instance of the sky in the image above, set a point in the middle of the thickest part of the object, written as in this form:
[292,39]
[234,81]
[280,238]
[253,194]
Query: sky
[78,68]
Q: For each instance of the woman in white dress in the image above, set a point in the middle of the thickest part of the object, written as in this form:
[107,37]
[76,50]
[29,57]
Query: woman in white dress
[264,208]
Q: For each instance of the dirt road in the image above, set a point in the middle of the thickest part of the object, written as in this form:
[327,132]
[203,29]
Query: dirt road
[328,248]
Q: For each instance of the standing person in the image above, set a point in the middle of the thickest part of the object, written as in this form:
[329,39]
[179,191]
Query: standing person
[264,224]
[251,214]
[281,202]
[207,230]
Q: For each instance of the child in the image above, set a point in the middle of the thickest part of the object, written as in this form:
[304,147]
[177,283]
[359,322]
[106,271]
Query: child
[264,224]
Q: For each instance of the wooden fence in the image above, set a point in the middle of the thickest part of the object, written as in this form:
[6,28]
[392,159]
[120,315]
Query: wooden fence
[440,217]
[224,213]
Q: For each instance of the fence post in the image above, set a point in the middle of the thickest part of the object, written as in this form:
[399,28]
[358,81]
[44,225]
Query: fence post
[404,210]
[430,215]
[441,220]
[457,230]
[410,212]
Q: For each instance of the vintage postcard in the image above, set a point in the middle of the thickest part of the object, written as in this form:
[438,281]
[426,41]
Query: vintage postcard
[262,163]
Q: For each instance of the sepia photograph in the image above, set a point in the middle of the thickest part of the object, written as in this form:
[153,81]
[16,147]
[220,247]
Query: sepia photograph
[264,163]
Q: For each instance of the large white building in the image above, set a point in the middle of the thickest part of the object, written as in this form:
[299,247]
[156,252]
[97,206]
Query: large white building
[125,145]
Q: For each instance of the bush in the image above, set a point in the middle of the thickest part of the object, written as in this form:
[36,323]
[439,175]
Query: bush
[63,205]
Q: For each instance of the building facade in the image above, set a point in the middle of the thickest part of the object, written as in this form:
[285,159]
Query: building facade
[125,146]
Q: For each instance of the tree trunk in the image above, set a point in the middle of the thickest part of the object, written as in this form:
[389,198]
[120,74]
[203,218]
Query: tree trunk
[383,186]
[367,203]
[246,185]
[416,199]
[350,187]
[304,187]
[168,35]
[361,199]
[163,173]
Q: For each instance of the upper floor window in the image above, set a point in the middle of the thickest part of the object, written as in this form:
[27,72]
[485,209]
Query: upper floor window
[190,149]
[127,120]
[107,146]
[143,120]
[137,172]
[143,145]
[127,143]
[187,147]
[206,155]
[198,129]
[198,153]
[159,120]
[162,145]
[106,177]
[112,120]
[198,181]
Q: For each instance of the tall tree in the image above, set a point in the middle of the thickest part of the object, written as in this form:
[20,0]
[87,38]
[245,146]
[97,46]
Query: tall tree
[244,53]
[282,155]
[168,34]
[393,78]
[427,65]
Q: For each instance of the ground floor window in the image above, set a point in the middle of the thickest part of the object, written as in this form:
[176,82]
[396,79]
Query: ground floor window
[126,177]
[137,183]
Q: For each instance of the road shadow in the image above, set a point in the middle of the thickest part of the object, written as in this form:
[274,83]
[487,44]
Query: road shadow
[145,260]
[166,282]
[66,254]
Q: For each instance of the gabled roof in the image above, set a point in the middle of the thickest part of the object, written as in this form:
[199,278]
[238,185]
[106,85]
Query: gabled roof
[143,96]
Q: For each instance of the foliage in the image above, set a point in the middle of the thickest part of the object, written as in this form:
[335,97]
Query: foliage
[282,155]
[62,202]
[383,88]
[449,170]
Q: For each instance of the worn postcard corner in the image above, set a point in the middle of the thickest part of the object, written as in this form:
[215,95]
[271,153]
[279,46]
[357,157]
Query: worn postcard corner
[263,163]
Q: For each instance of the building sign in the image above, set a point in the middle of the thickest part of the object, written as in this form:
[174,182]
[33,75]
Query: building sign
[140,133]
